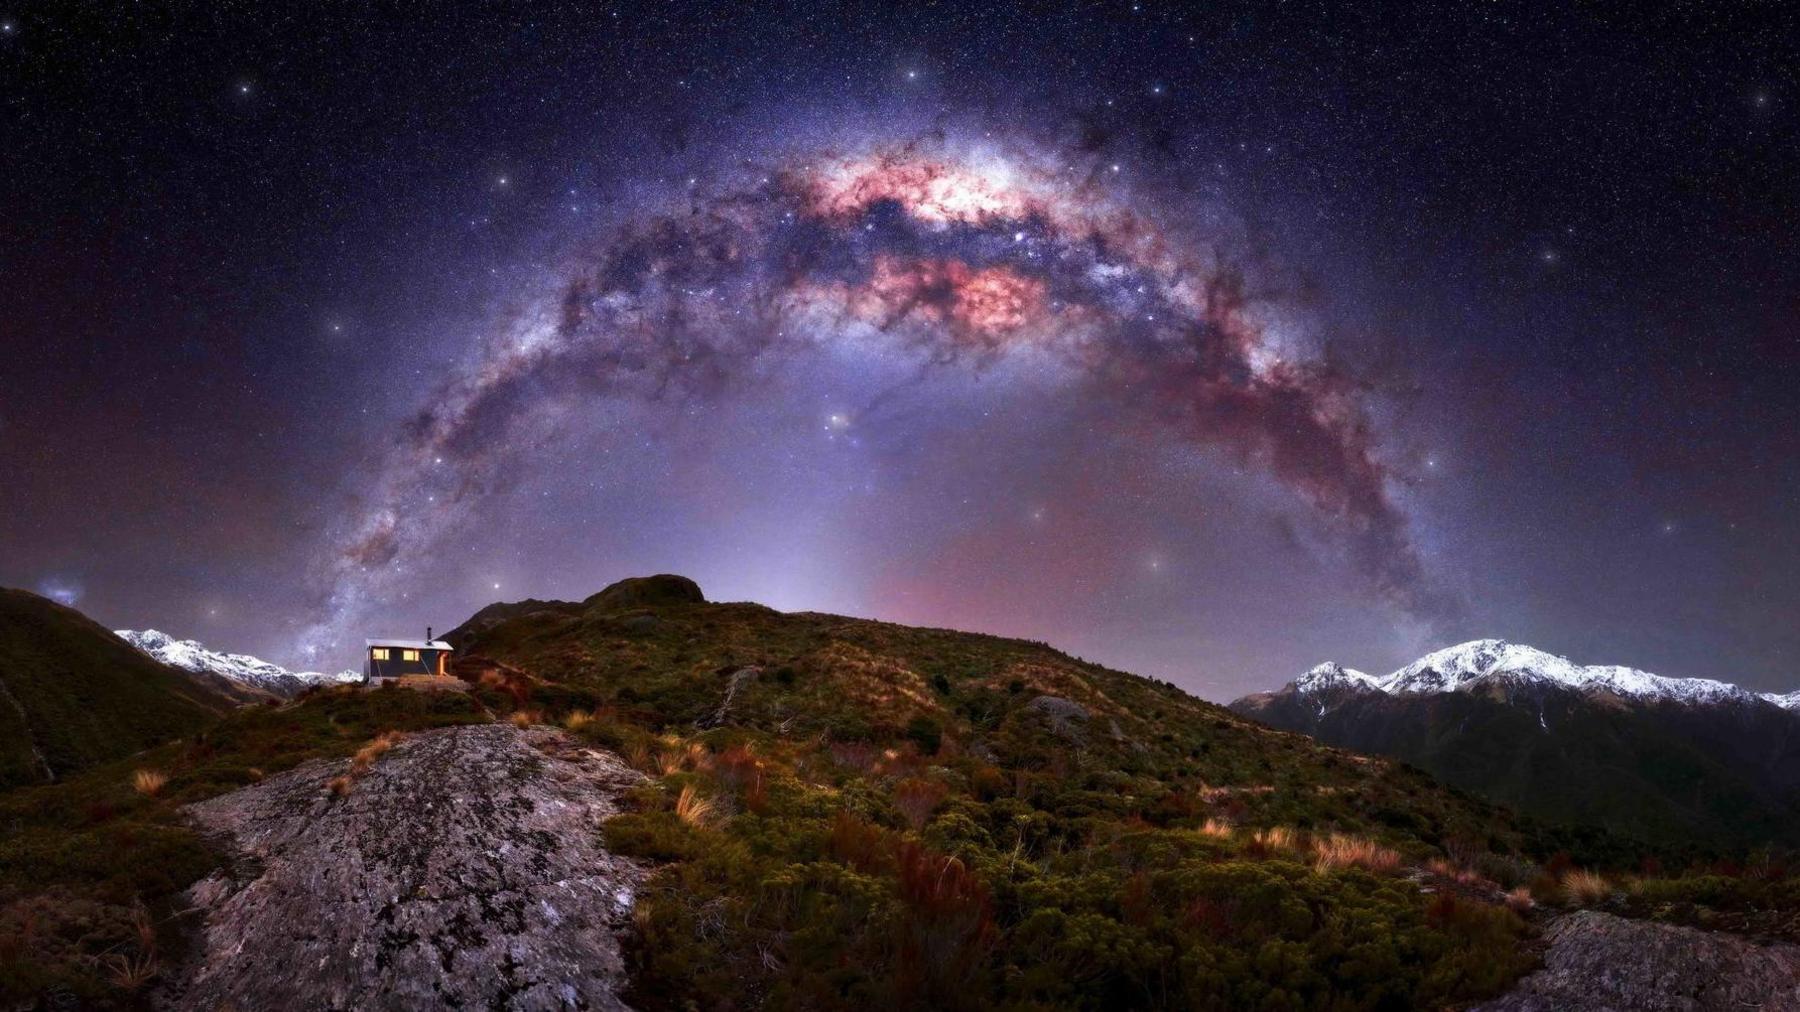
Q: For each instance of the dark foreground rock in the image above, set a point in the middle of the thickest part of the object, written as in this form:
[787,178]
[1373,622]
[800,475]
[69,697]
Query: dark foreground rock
[463,869]
[1599,962]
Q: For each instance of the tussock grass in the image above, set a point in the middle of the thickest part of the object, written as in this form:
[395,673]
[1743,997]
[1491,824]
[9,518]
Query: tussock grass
[1584,888]
[1274,838]
[149,782]
[1216,828]
[1519,900]
[365,757]
[130,973]
[1341,850]
[692,808]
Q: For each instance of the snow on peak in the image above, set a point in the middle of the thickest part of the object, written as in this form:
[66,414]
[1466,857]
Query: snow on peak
[1785,700]
[193,656]
[1330,675]
[1454,669]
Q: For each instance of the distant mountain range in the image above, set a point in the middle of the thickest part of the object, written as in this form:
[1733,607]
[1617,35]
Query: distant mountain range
[239,671]
[1655,757]
[73,695]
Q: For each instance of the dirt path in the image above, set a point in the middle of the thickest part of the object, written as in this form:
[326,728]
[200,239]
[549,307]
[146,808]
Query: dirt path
[465,868]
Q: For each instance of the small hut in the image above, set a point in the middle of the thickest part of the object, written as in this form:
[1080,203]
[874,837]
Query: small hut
[399,658]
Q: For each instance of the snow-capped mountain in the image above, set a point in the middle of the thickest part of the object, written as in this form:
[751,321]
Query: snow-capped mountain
[1481,662]
[1785,700]
[1651,756]
[242,669]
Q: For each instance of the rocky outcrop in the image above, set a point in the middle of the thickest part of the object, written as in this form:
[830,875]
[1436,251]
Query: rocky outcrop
[1067,719]
[1598,962]
[736,680]
[463,868]
[645,592]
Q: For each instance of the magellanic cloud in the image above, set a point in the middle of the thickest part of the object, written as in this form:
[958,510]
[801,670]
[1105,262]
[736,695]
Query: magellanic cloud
[959,255]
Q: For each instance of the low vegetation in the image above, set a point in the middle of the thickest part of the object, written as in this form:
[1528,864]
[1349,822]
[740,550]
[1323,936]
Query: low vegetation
[897,817]
[846,813]
[90,867]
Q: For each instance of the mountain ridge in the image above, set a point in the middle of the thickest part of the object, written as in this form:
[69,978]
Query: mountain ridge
[1663,759]
[73,695]
[1459,667]
[240,669]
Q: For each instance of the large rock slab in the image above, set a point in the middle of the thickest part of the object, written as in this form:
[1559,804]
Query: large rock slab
[1599,963]
[464,869]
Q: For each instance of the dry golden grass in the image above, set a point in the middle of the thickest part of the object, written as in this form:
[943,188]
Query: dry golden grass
[691,808]
[1275,837]
[130,974]
[698,758]
[525,718]
[149,782]
[668,762]
[640,758]
[1584,887]
[577,719]
[339,786]
[1340,850]
[1216,828]
[1519,900]
[365,757]
[1454,872]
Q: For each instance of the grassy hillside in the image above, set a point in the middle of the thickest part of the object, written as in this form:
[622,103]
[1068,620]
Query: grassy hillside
[858,813]
[72,694]
[888,817]
[91,867]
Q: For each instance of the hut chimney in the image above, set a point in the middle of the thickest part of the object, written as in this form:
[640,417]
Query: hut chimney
[427,634]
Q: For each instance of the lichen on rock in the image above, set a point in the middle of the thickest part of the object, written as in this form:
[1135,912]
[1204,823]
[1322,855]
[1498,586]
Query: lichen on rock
[464,868]
[1598,961]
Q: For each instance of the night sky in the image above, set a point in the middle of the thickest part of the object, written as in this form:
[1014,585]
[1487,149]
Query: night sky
[1208,345]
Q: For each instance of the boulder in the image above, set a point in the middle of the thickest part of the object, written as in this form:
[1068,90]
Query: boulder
[1596,961]
[1067,718]
[463,869]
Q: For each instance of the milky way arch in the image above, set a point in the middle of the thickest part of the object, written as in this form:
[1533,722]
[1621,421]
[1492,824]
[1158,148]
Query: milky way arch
[961,255]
